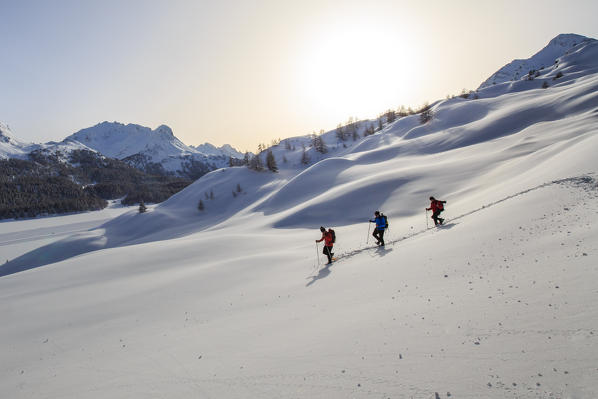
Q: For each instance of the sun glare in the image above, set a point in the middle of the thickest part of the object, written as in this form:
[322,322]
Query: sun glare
[356,71]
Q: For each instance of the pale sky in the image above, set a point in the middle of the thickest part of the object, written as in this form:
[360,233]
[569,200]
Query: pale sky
[245,72]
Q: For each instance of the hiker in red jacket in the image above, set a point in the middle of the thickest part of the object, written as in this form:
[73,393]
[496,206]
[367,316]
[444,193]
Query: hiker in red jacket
[328,238]
[436,206]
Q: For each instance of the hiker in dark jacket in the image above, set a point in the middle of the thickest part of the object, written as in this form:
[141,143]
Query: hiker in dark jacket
[380,227]
[328,238]
[436,206]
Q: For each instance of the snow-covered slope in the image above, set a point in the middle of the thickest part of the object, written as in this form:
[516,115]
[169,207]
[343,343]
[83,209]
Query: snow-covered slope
[500,303]
[545,58]
[231,301]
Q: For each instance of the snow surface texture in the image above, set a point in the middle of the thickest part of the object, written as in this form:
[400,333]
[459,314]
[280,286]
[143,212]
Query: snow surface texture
[232,301]
[17,236]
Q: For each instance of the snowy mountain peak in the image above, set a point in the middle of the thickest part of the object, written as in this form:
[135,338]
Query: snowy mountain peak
[5,134]
[117,140]
[163,129]
[229,150]
[10,147]
[566,41]
[547,57]
[211,150]
[143,146]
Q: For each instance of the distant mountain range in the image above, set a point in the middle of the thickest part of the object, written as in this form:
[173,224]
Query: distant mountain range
[104,162]
[156,151]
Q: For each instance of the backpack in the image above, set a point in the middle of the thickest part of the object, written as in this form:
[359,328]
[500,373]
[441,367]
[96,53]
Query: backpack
[440,205]
[333,235]
[385,221]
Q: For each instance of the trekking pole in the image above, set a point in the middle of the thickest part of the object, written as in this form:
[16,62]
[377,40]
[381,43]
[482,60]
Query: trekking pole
[317,255]
[427,219]
[367,240]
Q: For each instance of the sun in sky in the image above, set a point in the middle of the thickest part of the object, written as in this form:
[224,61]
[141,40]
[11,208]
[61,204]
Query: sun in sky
[356,70]
[245,72]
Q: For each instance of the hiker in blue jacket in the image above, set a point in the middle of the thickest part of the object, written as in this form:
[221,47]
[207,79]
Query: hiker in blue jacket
[378,233]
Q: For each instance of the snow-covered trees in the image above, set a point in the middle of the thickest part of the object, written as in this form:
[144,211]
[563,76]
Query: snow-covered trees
[349,130]
[235,162]
[304,157]
[390,116]
[369,130]
[271,162]
[402,112]
[425,114]
[340,133]
[318,143]
[256,163]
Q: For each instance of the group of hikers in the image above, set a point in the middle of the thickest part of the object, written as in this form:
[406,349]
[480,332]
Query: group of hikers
[381,221]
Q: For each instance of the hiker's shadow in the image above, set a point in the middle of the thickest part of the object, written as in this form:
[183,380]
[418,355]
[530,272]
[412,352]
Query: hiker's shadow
[382,251]
[322,273]
[448,226]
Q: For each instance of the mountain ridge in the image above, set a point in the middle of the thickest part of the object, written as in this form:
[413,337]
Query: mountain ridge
[546,57]
[157,149]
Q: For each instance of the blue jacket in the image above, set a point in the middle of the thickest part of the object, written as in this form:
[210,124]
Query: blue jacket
[380,223]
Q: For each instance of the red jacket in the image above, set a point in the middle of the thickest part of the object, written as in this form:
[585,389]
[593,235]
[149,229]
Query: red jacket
[327,236]
[436,205]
